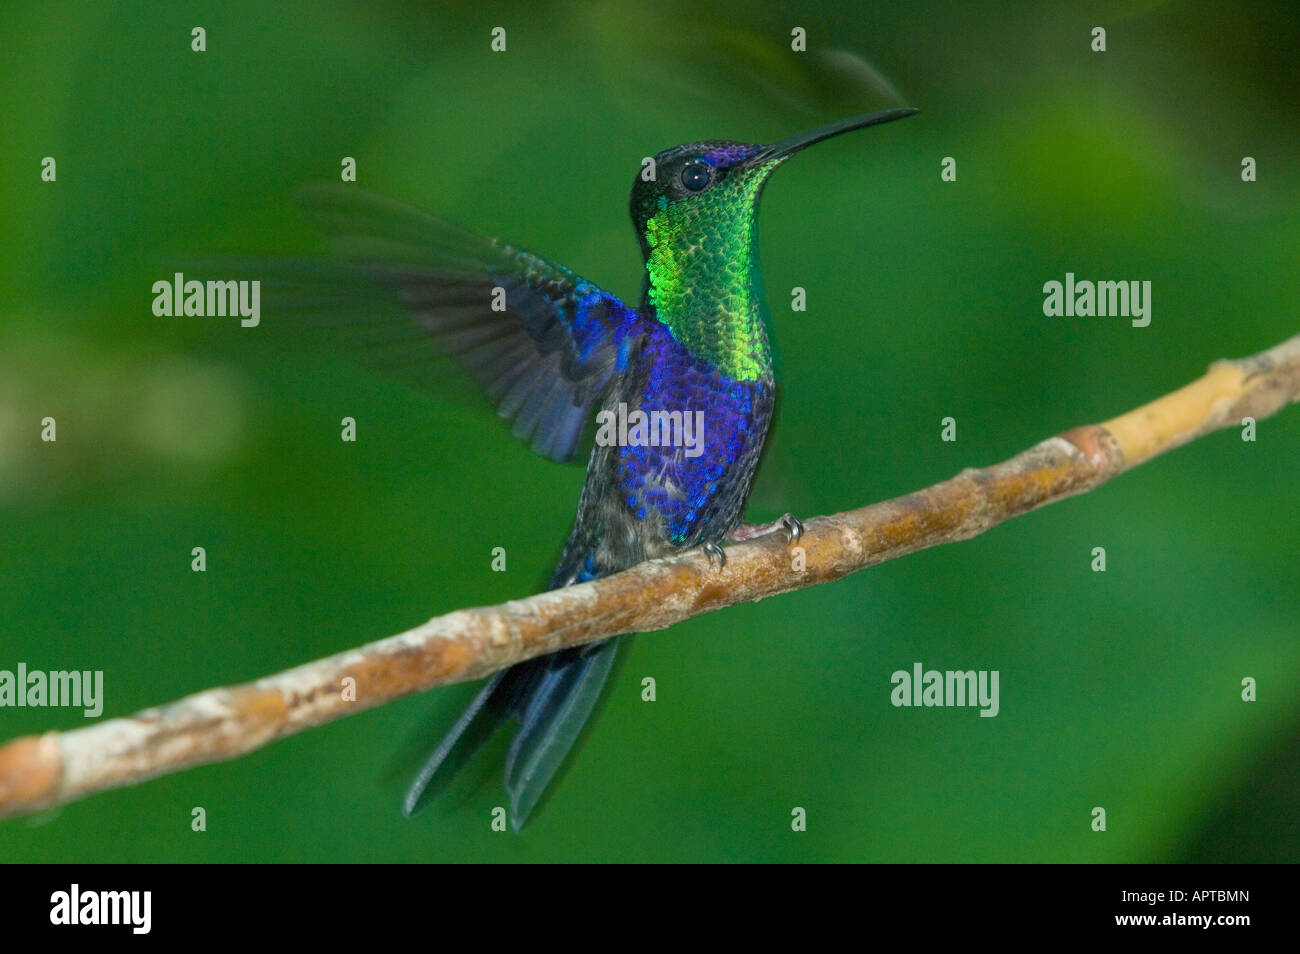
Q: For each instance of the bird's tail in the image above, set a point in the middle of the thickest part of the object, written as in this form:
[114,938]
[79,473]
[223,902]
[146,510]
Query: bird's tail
[552,697]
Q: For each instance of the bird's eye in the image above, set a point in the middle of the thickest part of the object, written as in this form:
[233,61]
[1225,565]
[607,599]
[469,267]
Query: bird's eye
[695,176]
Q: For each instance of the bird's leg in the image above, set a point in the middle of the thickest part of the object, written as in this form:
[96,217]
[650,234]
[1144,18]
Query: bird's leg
[748,531]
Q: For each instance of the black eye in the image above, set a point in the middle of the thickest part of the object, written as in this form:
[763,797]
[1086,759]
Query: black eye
[695,176]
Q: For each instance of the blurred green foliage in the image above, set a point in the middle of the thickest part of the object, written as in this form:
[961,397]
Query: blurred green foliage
[1119,689]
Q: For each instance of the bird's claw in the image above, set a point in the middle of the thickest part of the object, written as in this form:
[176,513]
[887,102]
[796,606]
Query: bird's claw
[787,522]
[715,552]
[793,527]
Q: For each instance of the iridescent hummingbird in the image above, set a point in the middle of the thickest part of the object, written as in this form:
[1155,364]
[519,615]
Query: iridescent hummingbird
[551,350]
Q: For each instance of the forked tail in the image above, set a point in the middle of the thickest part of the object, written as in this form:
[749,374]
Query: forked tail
[551,696]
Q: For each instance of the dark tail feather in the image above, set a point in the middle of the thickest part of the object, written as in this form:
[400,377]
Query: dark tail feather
[552,697]
[558,705]
[474,727]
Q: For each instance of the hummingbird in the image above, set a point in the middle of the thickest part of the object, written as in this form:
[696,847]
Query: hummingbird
[553,351]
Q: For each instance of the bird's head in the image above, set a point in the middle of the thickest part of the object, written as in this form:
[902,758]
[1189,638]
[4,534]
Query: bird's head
[695,209]
[702,189]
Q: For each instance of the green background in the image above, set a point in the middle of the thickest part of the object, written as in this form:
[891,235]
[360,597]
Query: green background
[1118,689]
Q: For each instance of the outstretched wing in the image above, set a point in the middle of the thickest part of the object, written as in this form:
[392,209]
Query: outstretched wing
[544,344]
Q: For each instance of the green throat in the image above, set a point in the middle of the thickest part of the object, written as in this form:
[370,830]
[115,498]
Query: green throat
[703,274]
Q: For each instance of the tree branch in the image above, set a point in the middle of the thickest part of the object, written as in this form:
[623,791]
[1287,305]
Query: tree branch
[40,771]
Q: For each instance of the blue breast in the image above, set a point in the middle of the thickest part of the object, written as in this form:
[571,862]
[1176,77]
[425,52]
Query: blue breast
[687,491]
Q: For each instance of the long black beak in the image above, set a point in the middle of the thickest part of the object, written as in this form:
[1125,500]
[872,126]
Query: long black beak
[786,147]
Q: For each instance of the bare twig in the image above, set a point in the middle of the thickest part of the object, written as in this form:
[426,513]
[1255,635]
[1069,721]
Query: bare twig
[223,723]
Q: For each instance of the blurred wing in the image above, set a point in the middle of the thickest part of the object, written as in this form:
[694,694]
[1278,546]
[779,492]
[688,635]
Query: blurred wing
[544,344]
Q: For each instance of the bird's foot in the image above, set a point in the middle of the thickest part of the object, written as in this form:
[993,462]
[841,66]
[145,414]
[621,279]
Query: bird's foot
[715,552]
[748,531]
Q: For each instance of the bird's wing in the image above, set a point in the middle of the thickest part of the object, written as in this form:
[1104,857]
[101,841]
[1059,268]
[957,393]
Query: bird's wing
[544,344]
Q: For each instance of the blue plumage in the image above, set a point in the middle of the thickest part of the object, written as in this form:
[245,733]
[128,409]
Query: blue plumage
[691,495]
